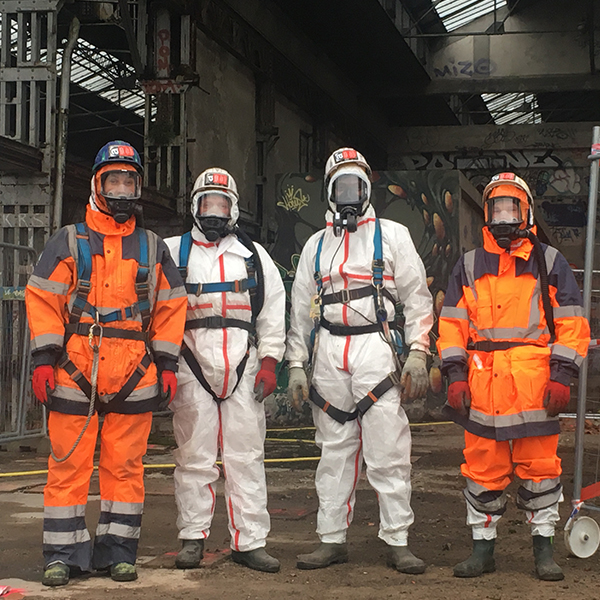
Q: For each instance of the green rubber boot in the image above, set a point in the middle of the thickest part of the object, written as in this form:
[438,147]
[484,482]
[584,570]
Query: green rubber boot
[56,574]
[123,572]
[481,560]
[545,567]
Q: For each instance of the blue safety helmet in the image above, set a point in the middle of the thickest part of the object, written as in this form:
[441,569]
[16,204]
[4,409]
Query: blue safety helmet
[118,152]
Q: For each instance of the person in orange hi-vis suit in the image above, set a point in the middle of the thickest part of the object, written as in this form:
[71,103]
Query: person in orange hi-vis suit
[106,308]
[512,335]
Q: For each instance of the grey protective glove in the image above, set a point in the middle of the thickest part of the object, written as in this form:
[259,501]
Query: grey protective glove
[415,379]
[297,387]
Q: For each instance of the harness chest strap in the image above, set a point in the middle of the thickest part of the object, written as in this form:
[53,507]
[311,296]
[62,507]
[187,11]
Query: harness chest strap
[249,284]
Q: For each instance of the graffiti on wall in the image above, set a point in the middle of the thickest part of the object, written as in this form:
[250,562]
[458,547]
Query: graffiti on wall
[425,202]
[465,68]
[558,179]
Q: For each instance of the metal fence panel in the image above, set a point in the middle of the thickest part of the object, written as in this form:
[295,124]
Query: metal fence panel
[21,415]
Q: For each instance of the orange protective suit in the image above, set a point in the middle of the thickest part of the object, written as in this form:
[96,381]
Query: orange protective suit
[152,319]
[493,333]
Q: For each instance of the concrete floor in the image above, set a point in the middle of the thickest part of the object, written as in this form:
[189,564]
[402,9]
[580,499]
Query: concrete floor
[439,536]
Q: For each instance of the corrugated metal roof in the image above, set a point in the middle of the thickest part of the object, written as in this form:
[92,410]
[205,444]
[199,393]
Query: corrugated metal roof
[513,109]
[96,71]
[456,13]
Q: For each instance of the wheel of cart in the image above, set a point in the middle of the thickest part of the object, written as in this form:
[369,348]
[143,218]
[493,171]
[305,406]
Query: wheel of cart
[582,533]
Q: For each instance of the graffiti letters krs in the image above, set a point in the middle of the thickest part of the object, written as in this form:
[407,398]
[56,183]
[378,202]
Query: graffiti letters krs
[293,199]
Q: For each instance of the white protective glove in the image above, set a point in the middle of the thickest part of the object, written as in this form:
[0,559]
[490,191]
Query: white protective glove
[415,379]
[297,388]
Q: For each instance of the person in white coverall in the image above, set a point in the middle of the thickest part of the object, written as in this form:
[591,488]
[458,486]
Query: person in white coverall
[235,335]
[349,278]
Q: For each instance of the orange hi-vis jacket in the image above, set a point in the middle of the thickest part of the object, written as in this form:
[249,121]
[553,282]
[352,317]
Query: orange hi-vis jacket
[493,333]
[123,363]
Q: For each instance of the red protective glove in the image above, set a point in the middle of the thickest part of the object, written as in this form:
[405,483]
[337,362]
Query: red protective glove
[459,397]
[266,376]
[42,376]
[169,383]
[556,397]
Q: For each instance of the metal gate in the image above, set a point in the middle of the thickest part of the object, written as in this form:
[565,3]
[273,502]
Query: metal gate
[21,415]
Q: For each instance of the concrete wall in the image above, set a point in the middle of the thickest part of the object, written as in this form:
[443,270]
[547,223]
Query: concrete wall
[220,118]
[560,49]
[552,158]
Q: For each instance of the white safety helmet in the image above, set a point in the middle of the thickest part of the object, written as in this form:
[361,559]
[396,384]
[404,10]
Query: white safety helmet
[502,184]
[347,161]
[218,181]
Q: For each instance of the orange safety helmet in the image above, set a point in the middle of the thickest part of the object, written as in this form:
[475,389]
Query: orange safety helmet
[509,185]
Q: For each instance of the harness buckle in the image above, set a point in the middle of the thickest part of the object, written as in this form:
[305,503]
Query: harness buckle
[345,294]
[95,331]
[395,377]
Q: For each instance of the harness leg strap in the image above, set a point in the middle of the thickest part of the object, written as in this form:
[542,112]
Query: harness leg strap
[381,388]
[341,416]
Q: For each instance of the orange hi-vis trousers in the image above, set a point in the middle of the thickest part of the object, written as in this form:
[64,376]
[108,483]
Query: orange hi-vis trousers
[489,468]
[121,472]
[492,464]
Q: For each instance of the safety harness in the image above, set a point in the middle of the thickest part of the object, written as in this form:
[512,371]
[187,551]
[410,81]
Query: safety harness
[377,290]
[97,328]
[253,284]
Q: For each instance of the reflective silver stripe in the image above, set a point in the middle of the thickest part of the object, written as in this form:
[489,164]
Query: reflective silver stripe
[566,352]
[54,287]
[144,393]
[506,333]
[528,416]
[169,294]
[152,248]
[469,262]
[560,312]
[475,488]
[452,312]
[65,538]
[64,512]
[454,351]
[166,347]
[68,393]
[550,255]
[47,339]
[76,395]
[538,487]
[124,531]
[122,508]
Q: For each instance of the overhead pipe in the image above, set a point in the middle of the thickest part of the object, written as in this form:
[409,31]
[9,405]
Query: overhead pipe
[63,122]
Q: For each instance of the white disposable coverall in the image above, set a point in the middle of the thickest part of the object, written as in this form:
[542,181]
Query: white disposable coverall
[237,426]
[346,368]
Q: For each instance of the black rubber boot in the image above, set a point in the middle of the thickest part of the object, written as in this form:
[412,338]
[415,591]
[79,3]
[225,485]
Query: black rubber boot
[323,556]
[190,555]
[259,560]
[545,567]
[481,560]
[56,574]
[403,560]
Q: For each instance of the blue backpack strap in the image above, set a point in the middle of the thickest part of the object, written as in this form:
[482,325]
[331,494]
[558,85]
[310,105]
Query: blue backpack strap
[185,247]
[239,285]
[84,274]
[142,288]
[317,275]
[377,267]
[378,262]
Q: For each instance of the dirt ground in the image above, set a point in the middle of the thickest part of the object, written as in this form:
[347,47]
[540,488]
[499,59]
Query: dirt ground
[439,536]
